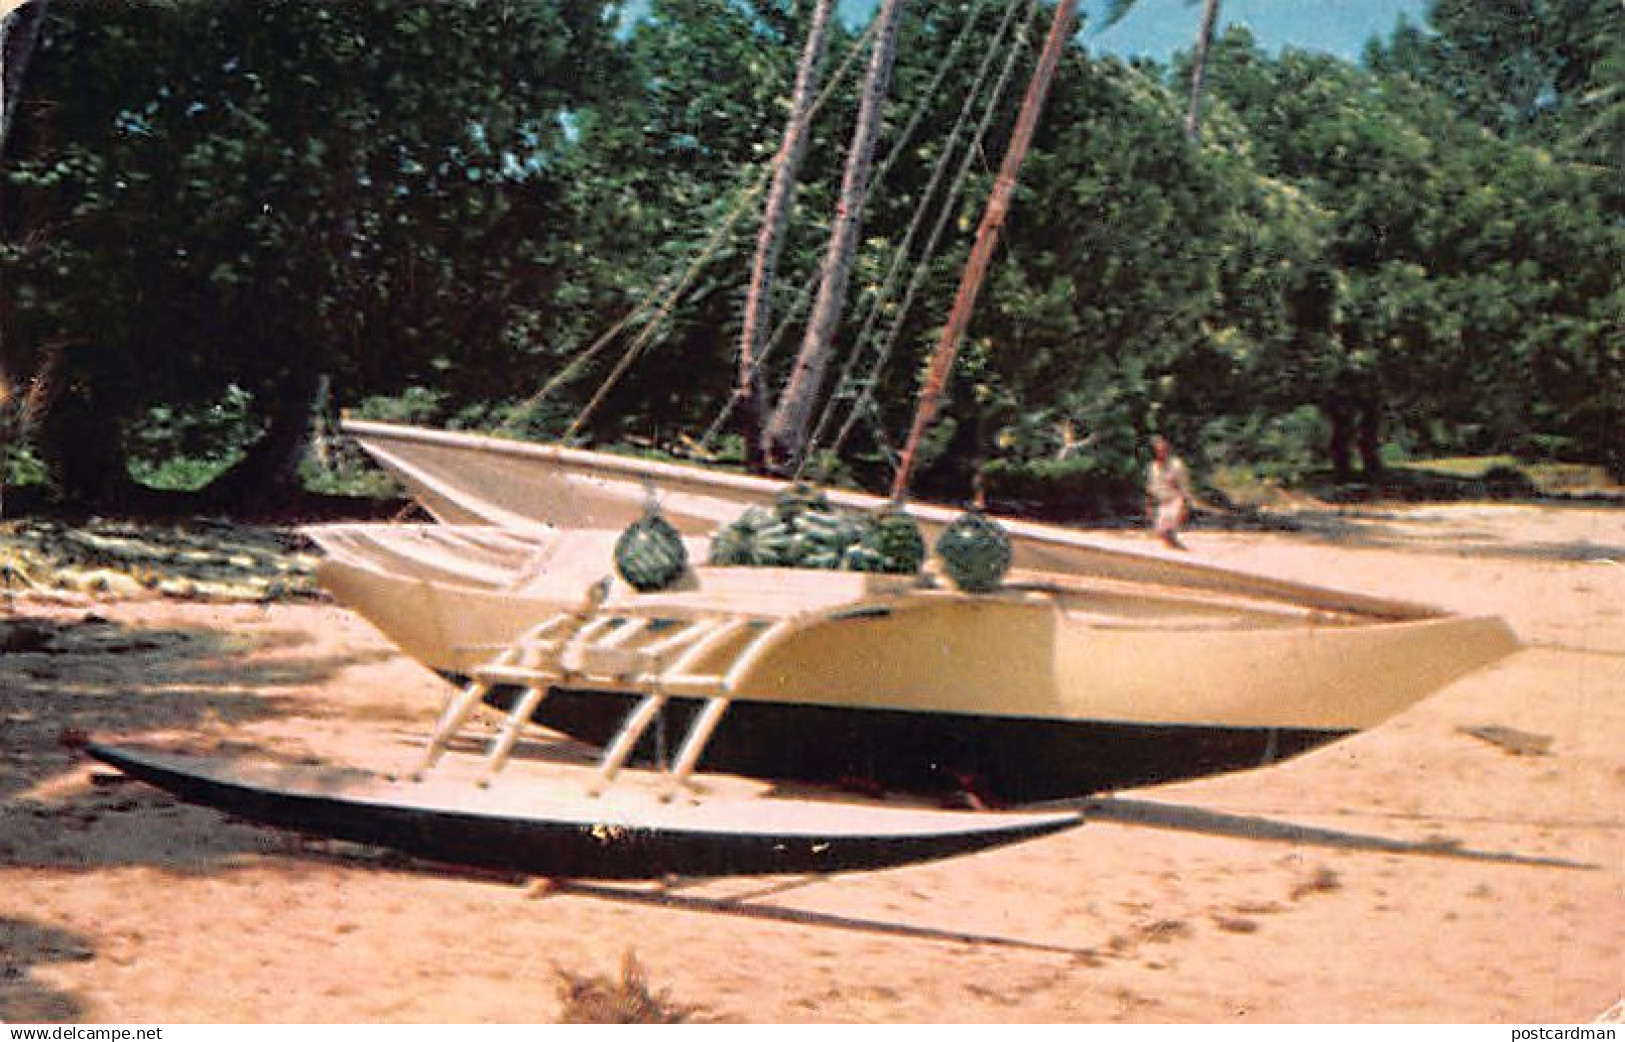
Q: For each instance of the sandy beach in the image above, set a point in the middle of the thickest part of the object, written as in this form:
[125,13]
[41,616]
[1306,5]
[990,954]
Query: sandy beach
[1418,872]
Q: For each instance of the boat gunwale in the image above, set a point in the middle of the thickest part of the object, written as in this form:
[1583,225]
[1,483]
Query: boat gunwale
[1023,585]
[1178,573]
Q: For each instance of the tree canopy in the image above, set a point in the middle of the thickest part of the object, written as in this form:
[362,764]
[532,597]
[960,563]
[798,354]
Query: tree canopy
[210,208]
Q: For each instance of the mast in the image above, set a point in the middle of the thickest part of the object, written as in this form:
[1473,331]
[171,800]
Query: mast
[786,434]
[770,238]
[987,238]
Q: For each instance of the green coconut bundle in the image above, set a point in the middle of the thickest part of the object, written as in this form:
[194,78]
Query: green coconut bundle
[975,552]
[802,530]
[891,543]
[650,554]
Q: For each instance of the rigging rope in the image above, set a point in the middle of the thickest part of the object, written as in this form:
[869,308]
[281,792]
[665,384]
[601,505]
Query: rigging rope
[984,244]
[949,61]
[665,297]
[921,110]
[653,328]
[797,310]
[864,404]
[579,362]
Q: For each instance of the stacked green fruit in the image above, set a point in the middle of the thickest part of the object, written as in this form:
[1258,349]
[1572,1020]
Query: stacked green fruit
[891,543]
[736,542]
[802,530]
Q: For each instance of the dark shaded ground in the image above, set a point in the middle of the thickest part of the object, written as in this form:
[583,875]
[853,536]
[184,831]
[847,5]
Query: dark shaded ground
[25,944]
[146,504]
[87,675]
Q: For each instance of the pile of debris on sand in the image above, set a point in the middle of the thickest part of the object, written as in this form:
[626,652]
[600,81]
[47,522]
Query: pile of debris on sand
[199,560]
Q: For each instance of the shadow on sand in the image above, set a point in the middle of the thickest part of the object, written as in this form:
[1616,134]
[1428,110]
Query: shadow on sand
[1114,809]
[1440,535]
[25,944]
[1184,818]
[67,679]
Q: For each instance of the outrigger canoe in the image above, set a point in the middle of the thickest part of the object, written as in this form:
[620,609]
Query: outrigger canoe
[1115,670]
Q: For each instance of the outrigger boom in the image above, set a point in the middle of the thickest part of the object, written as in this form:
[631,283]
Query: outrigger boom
[583,649]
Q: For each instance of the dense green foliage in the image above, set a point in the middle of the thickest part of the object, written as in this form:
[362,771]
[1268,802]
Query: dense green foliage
[209,205]
[214,198]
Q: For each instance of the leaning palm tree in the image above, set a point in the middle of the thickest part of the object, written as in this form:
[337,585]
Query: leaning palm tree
[786,434]
[1117,9]
[1204,40]
[770,238]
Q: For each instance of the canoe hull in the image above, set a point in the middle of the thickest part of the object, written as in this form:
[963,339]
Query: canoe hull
[1002,760]
[1015,658]
[1050,688]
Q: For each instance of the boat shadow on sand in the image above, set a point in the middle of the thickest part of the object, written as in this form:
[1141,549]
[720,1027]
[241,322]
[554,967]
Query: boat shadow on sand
[757,902]
[1113,809]
[1156,814]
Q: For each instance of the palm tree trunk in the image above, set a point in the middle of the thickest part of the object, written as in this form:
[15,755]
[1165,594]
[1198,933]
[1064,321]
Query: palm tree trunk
[785,438]
[19,34]
[1369,436]
[268,473]
[758,300]
[1204,40]
[1340,440]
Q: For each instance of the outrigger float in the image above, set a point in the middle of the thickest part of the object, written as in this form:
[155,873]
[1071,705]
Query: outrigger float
[578,821]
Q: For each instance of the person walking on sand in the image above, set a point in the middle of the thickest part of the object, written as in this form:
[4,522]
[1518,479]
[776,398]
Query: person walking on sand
[1167,492]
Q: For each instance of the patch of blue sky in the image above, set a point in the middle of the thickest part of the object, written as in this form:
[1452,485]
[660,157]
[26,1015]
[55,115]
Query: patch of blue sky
[1159,28]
